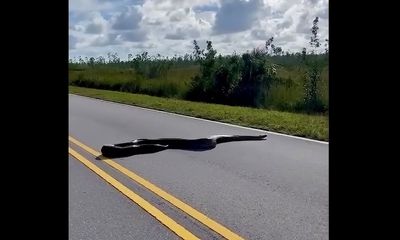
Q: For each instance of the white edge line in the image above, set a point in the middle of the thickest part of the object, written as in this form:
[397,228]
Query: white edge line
[207,120]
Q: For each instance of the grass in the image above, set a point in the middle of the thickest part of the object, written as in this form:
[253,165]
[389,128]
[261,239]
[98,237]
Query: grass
[298,124]
[286,94]
[174,84]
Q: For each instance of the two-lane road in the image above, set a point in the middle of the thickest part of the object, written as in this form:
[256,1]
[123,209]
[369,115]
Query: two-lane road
[273,189]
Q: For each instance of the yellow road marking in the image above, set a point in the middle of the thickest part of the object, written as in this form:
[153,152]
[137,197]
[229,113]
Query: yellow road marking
[223,231]
[160,216]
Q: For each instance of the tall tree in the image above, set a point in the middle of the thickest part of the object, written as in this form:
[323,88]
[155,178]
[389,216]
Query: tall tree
[268,44]
[314,42]
[314,69]
[197,52]
[326,46]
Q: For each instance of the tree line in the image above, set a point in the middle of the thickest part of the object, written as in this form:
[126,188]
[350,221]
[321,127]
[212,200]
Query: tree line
[236,79]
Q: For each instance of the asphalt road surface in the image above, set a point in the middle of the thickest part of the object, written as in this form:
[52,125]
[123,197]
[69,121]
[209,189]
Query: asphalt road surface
[272,189]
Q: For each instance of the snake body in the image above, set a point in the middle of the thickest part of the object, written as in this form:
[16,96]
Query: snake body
[143,146]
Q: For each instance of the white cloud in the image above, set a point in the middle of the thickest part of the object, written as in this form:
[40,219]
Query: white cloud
[78,28]
[260,34]
[133,36]
[128,19]
[286,23]
[89,5]
[236,16]
[181,34]
[168,27]
[94,28]
[206,17]
[72,42]
[178,15]
[175,36]
[105,40]
[97,24]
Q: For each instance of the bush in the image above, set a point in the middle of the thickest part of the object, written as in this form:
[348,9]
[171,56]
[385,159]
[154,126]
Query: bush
[235,80]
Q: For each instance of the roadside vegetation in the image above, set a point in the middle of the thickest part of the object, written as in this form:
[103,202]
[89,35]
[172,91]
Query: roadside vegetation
[266,80]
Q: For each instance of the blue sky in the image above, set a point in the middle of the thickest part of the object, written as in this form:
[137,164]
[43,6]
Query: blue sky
[168,27]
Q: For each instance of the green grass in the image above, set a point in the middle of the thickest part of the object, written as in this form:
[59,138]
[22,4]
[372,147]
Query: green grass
[287,94]
[174,84]
[304,125]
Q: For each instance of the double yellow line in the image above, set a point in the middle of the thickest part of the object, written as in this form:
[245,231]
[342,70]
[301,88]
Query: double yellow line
[160,216]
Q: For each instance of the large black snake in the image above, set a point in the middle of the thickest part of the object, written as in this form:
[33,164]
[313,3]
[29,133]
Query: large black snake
[142,146]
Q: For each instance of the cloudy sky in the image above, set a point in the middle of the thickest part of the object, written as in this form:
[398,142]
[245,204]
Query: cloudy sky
[168,27]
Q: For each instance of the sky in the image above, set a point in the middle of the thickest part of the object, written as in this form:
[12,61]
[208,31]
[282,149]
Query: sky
[168,27]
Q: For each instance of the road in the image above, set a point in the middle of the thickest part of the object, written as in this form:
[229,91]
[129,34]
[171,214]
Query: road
[273,189]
